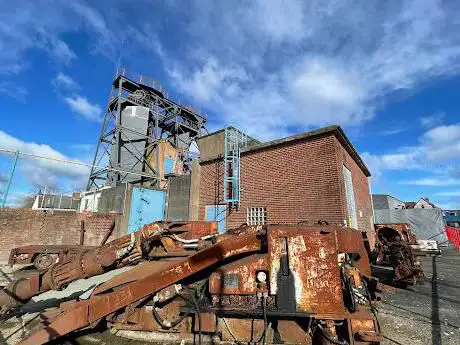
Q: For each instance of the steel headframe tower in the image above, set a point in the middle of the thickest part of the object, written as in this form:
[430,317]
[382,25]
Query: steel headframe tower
[137,117]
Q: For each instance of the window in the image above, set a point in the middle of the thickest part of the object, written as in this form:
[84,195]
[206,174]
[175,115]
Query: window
[350,196]
[257,216]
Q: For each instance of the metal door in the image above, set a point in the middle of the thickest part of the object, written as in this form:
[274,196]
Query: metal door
[147,206]
[217,213]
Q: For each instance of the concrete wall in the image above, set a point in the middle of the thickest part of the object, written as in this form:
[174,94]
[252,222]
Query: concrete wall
[104,200]
[178,198]
[166,150]
[20,227]
[300,181]
[194,204]
[212,145]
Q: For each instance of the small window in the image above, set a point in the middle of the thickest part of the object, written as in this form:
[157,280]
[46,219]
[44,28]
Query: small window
[257,216]
[451,213]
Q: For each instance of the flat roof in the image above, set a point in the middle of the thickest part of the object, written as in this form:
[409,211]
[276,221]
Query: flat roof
[389,195]
[223,129]
[330,130]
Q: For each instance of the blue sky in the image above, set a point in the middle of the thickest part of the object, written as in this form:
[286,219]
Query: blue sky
[387,71]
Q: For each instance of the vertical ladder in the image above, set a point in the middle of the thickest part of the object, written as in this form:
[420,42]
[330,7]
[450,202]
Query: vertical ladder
[234,141]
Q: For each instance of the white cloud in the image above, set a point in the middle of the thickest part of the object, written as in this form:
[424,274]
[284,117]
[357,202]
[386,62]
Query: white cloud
[442,143]
[438,148]
[392,131]
[65,81]
[287,19]
[210,81]
[84,147]
[454,205]
[433,182]
[453,193]
[43,172]
[442,134]
[11,89]
[313,64]
[83,107]
[61,51]
[432,120]
[407,159]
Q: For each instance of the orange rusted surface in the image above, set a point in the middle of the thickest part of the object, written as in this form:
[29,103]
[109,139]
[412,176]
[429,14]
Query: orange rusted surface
[296,277]
[99,306]
[208,322]
[363,324]
[87,262]
[194,229]
[402,228]
[351,241]
[294,331]
[313,276]
[238,277]
[242,330]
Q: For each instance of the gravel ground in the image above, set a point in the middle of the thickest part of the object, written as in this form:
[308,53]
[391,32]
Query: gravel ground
[426,314]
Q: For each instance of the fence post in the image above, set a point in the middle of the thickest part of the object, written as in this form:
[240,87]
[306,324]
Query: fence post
[5,195]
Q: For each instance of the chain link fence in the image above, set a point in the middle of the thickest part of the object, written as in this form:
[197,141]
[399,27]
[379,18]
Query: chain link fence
[34,181]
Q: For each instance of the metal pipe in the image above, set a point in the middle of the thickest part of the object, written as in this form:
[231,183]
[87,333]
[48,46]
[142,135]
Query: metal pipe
[16,155]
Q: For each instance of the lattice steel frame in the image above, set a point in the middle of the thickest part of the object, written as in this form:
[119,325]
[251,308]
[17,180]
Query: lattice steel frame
[178,124]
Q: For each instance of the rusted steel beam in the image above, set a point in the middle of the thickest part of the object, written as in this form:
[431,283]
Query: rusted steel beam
[82,232]
[87,263]
[84,313]
[108,233]
[26,254]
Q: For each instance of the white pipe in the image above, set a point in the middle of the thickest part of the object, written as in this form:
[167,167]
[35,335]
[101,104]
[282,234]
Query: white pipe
[75,162]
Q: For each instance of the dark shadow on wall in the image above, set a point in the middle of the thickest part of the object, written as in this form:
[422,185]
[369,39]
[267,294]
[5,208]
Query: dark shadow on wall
[435,324]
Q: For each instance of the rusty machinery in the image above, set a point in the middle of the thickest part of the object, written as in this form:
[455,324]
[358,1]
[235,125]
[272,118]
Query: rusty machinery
[267,284]
[153,241]
[394,248]
[43,256]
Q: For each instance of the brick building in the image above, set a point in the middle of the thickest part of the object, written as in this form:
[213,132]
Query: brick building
[307,177]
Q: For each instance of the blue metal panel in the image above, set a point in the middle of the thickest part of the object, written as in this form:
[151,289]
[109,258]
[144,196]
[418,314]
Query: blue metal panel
[217,213]
[147,206]
[169,165]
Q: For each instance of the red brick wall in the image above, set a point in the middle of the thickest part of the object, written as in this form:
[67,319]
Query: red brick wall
[300,181]
[295,182]
[20,227]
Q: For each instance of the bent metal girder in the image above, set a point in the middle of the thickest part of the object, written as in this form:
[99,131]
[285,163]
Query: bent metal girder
[126,250]
[84,313]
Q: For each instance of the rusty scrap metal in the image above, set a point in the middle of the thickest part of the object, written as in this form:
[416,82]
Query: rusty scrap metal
[394,249]
[84,313]
[300,277]
[88,262]
[32,253]
[108,233]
